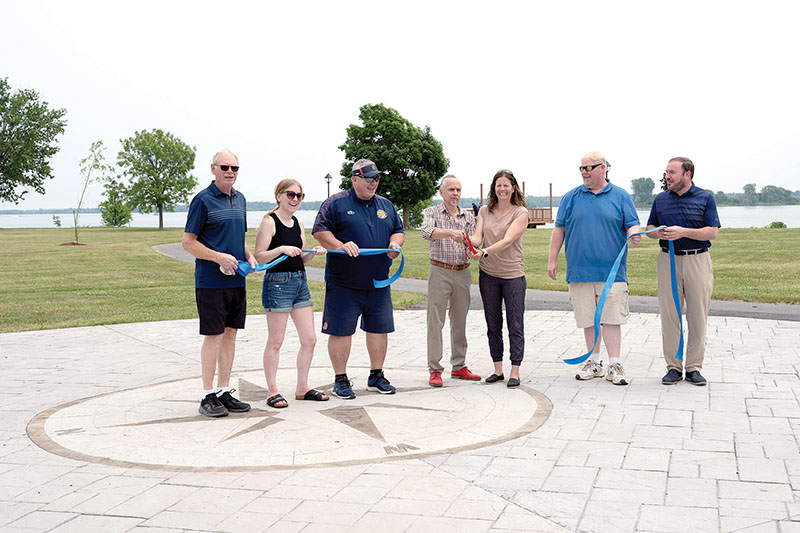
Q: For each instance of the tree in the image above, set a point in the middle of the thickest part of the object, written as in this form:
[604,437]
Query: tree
[771,194]
[114,211]
[91,165]
[159,166]
[642,190]
[721,198]
[750,196]
[412,158]
[28,129]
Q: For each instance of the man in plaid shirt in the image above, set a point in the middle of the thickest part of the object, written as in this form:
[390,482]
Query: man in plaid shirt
[448,280]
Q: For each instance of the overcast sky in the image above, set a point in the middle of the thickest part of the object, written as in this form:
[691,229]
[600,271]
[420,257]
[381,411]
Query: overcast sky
[520,85]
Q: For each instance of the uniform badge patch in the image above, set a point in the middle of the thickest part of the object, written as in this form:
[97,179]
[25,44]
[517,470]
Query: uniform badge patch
[381,213]
[351,212]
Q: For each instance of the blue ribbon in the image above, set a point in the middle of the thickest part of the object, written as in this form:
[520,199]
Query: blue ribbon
[675,297]
[244,268]
[601,301]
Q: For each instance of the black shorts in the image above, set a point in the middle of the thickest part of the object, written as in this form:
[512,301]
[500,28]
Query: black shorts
[221,308]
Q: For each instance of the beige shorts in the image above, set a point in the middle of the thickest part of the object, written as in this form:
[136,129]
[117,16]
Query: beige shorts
[584,295]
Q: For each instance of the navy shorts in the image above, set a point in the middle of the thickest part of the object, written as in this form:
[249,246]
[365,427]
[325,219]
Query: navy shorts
[221,308]
[284,291]
[343,306]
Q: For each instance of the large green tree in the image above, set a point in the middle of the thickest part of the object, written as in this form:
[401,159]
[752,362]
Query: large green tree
[771,194]
[28,131]
[412,158]
[750,196]
[159,166]
[642,191]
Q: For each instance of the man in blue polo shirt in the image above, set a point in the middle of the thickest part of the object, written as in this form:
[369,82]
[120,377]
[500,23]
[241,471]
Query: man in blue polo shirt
[214,234]
[350,220]
[690,216]
[595,219]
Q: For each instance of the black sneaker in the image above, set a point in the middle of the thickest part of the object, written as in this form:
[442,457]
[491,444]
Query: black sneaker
[671,377]
[695,378]
[211,406]
[232,404]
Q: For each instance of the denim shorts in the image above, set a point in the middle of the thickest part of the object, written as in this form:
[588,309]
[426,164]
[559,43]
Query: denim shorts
[284,291]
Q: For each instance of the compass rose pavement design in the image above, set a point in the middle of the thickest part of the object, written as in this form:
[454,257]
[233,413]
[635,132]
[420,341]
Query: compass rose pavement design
[158,427]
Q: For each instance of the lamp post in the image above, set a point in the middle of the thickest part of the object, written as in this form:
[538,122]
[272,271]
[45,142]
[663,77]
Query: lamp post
[328,179]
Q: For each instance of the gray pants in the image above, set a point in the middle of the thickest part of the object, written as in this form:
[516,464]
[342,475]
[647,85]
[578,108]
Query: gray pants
[445,286]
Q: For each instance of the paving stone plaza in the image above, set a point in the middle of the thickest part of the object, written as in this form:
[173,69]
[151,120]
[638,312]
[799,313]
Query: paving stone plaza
[101,433]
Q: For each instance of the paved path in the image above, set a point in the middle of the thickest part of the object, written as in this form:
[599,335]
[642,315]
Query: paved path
[100,432]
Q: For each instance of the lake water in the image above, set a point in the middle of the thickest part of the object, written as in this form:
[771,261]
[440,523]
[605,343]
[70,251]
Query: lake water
[731,217]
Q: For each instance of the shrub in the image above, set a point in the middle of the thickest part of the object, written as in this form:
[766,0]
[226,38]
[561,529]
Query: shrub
[777,224]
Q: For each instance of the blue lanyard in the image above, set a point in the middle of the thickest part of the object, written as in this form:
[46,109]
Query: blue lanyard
[601,301]
[244,268]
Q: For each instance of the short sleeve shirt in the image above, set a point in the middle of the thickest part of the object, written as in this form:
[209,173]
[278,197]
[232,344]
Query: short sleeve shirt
[369,224]
[220,223]
[695,209]
[595,229]
[447,250]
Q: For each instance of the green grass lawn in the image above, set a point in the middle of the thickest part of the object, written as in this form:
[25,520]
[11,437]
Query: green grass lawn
[117,277]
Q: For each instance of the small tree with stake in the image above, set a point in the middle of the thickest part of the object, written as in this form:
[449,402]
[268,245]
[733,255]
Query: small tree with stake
[93,168]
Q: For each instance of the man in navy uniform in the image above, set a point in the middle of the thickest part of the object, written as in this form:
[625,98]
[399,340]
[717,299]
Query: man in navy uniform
[350,220]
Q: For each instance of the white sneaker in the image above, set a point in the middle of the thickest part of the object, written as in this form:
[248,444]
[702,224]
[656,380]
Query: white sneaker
[590,369]
[616,375]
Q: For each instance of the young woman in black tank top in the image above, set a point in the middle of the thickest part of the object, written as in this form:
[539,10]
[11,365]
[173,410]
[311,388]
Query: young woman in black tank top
[285,290]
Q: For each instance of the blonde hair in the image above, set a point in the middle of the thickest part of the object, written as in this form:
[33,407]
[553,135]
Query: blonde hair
[596,157]
[282,186]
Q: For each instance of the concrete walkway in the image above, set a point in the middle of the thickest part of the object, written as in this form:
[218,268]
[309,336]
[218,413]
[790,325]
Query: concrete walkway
[101,432]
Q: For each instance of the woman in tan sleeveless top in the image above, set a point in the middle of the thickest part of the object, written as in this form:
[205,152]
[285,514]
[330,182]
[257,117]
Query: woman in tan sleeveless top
[501,224]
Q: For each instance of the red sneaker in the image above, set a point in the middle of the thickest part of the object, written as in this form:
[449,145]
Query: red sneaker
[436,379]
[464,373]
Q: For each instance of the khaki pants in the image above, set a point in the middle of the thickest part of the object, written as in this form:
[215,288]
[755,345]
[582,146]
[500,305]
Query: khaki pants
[695,277]
[445,286]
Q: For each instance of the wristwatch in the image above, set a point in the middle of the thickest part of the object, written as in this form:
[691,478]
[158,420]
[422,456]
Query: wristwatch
[485,253]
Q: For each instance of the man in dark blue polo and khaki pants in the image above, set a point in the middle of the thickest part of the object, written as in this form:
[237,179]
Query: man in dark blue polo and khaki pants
[214,234]
[690,216]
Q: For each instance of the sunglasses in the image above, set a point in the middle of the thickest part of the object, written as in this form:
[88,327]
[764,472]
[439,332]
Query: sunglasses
[373,178]
[291,195]
[225,168]
[589,168]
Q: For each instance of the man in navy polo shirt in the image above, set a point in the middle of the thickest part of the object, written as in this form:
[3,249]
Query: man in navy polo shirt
[595,219]
[350,220]
[690,216]
[214,234]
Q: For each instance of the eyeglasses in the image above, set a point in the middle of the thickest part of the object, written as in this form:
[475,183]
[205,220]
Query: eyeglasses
[291,195]
[589,168]
[373,178]
[225,168]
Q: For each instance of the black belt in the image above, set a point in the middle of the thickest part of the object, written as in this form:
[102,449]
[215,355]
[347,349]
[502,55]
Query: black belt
[686,252]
